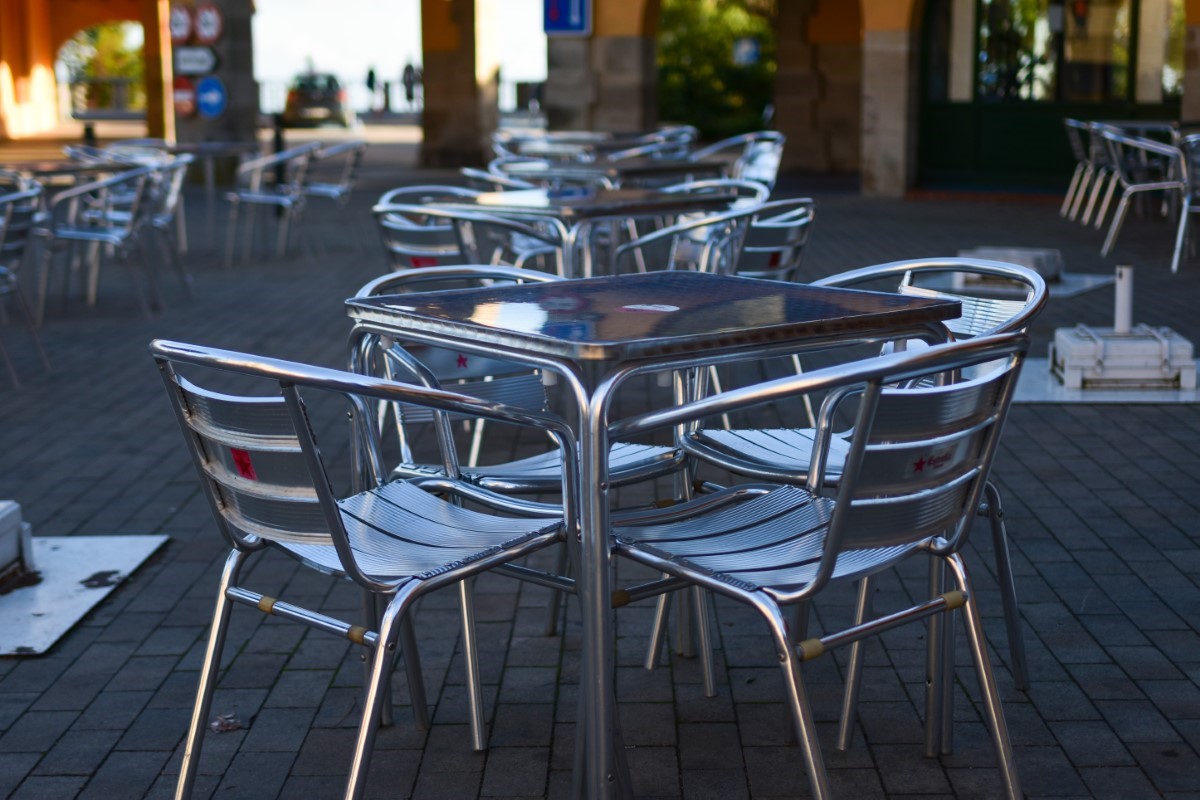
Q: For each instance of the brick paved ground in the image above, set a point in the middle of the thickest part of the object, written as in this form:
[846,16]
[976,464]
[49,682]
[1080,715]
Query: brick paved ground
[1101,505]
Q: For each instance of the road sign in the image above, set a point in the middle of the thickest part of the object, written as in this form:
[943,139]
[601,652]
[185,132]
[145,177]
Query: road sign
[210,23]
[185,97]
[211,97]
[195,60]
[180,23]
[567,17]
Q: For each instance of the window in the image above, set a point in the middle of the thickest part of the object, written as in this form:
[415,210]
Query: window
[1075,51]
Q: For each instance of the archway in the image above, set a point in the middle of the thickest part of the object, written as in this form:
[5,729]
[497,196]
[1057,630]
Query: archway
[101,72]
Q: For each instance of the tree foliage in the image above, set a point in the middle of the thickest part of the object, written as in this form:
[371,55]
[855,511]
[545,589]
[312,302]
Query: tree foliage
[106,51]
[698,81]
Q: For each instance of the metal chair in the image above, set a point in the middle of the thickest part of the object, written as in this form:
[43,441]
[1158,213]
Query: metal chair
[783,454]
[254,189]
[711,243]
[109,213]
[1139,165]
[776,240]
[269,489]
[913,477]
[418,240]
[758,155]
[19,212]
[490,239]
[351,155]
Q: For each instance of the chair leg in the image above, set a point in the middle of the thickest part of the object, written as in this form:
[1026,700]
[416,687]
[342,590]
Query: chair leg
[1008,587]
[44,283]
[658,630]
[1185,213]
[554,609]
[1118,221]
[281,235]
[1097,187]
[231,233]
[208,677]
[1081,192]
[1108,196]
[466,604]
[172,255]
[1066,203]
[372,612]
[412,670]
[381,664]
[248,232]
[853,681]
[797,701]
[12,370]
[31,323]
[700,597]
[987,681]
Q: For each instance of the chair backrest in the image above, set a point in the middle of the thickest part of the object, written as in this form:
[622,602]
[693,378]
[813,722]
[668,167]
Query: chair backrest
[1138,160]
[1189,146]
[294,163]
[19,212]
[751,190]
[1075,135]
[776,240]
[758,155]
[471,374]
[997,297]
[257,456]
[490,239]
[351,155]
[417,240]
[711,243]
[127,192]
[168,188]
[918,458]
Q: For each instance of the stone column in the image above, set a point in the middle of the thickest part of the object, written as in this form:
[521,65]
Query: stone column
[1190,109]
[28,104]
[156,53]
[235,51]
[609,80]
[461,80]
[818,84]
[889,117]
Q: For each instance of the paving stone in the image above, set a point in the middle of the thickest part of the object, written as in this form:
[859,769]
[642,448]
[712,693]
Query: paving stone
[36,731]
[516,772]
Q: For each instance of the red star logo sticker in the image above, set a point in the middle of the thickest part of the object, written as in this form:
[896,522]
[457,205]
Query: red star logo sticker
[462,361]
[919,466]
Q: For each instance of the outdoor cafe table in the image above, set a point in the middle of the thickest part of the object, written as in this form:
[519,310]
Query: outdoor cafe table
[580,208]
[595,334]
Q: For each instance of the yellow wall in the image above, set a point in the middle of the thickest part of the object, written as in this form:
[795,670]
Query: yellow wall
[71,16]
[624,17]
[887,15]
[27,87]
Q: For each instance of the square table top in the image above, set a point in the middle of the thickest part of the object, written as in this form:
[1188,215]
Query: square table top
[574,204]
[648,314]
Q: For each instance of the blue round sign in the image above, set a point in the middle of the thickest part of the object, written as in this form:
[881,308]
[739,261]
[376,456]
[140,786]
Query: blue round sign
[211,97]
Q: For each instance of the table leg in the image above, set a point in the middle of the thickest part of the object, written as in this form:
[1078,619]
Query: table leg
[210,195]
[606,771]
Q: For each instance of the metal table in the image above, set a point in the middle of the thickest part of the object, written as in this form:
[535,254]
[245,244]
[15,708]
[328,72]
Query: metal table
[58,168]
[596,334]
[209,152]
[580,208]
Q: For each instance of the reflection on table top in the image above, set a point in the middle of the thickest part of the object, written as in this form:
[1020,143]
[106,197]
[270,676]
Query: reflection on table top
[59,167]
[650,314]
[626,167]
[577,203]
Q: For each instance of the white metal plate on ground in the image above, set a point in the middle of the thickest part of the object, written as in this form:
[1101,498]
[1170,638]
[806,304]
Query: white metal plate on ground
[1068,285]
[1037,385]
[77,573]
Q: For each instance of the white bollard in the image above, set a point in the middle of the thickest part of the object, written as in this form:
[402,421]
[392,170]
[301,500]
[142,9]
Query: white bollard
[1123,312]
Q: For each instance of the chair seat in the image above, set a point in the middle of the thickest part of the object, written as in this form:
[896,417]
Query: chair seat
[413,533]
[782,448]
[265,198]
[113,236]
[774,540]
[628,463]
[334,191]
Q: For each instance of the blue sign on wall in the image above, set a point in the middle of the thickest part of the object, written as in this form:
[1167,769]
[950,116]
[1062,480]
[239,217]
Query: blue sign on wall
[211,97]
[567,17]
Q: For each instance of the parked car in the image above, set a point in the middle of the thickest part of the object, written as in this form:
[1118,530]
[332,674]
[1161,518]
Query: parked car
[315,99]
